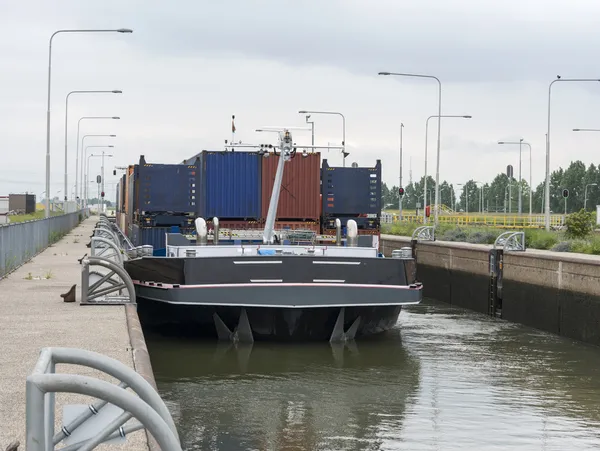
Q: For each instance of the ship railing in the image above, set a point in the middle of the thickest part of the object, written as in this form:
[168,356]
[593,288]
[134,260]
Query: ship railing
[107,420]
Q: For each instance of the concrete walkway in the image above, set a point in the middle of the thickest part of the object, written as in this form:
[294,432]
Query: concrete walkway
[33,316]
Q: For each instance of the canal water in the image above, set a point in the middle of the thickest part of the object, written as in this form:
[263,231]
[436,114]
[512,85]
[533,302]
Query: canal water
[444,379]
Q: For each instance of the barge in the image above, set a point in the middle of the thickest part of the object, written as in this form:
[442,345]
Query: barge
[284,285]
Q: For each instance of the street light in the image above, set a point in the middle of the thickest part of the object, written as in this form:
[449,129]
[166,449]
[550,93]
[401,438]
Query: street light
[437,173]
[119,30]
[312,128]
[585,196]
[82,156]
[425,179]
[400,184]
[102,176]
[86,179]
[114,91]
[344,153]
[521,142]
[586,129]
[466,197]
[547,194]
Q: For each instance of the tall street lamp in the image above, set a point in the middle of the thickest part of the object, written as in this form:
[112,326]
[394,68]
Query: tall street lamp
[82,156]
[119,30]
[466,197]
[344,153]
[85,153]
[312,128]
[114,91]
[437,173]
[585,196]
[83,146]
[400,185]
[524,143]
[437,180]
[586,129]
[547,194]
[102,176]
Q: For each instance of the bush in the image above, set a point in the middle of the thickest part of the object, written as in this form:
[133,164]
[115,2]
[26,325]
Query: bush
[456,234]
[482,237]
[563,246]
[540,239]
[580,224]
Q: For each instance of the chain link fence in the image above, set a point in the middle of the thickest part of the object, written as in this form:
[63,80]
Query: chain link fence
[20,242]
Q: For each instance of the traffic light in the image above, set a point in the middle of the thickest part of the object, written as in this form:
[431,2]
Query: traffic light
[565,193]
[102,194]
[401,191]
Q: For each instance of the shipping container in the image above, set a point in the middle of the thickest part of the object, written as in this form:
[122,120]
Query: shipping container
[300,189]
[163,188]
[21,203]
[230,185]
[351,191]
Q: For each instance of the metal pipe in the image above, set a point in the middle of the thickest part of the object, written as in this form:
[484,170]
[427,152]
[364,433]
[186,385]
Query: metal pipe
[338,232]
[216,230]
[201,232]
[351,233]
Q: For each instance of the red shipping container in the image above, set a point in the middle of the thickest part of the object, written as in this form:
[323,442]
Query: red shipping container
[299,198]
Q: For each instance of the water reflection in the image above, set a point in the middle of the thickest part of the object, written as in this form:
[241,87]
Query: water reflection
[444,379]
[270,396]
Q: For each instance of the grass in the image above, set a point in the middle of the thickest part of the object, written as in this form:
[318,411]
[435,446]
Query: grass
[39,214]
[534,238]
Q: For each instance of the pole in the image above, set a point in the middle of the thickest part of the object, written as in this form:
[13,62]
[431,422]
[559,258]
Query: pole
[102,180]
[520,186]
[47,208]
[344,138]
[425,176]
[400,185]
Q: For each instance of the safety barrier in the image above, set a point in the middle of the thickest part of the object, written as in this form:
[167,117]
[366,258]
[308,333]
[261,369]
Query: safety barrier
[103,277]
[103,421]
[498,221]
[20,242]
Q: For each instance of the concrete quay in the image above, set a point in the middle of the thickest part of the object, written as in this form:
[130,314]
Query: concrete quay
[34,316]
[557,292]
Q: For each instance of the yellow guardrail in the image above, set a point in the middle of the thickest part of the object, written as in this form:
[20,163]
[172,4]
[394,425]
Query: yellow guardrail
[499,221]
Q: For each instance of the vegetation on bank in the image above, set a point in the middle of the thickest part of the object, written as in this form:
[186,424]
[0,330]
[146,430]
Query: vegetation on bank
[578,237]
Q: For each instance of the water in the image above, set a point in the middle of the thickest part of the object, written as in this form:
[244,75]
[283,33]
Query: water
[445,379]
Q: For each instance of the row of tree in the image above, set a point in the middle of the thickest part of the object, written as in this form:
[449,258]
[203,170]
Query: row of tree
[502,193]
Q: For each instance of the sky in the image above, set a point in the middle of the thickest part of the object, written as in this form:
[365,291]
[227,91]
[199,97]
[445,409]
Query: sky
[192,64]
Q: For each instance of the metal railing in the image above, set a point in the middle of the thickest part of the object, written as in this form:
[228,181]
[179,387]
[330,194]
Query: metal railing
[86,431]
[21,241]
[510,241]
[498,221]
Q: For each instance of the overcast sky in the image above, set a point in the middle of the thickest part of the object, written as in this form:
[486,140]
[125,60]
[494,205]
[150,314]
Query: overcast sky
[191,64]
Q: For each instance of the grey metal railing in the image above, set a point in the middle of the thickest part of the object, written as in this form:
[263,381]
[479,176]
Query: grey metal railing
[510,241]
[144,404]
[20,242]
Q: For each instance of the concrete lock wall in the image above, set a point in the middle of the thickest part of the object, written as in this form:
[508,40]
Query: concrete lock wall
[555,292]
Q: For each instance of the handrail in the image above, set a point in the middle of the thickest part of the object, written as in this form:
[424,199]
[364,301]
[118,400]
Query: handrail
[89,292]
[110,244]
[511,241]
[149,408]
[424,233]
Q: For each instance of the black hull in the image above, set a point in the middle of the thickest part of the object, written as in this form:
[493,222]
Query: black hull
[279,324]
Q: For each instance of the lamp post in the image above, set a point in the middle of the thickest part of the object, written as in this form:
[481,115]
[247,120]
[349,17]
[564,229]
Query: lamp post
[547,194]
[400,184]
[119,30]
[586,129]
[82,156]
[524,143]
[102,176]
[312,128]
[344,153]
[425,179]
[86,179]
[437,172]
[466,197]
[585,196]
[114,91]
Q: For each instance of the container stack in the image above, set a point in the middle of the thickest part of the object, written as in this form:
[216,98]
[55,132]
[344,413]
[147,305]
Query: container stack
[236,187]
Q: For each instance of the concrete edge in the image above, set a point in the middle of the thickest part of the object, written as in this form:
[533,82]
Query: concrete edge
[141,358]
[570,257]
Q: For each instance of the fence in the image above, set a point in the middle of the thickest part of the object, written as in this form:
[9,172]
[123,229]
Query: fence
[498,221]
[20,242]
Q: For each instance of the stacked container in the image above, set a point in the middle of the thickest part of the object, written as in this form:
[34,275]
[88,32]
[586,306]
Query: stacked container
[351,193]
[300,191]
[230,185]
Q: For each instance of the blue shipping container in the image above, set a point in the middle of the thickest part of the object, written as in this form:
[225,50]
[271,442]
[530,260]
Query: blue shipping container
[166,187]
[349,191]
[231,185]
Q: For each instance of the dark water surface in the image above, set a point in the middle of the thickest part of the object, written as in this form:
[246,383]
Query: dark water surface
[444,379]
